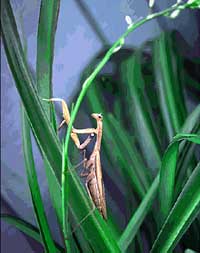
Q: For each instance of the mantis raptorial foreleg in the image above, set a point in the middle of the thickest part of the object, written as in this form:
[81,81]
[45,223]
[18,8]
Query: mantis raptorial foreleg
[66,116]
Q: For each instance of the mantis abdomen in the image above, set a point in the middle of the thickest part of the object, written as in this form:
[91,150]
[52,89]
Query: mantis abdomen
[96,196]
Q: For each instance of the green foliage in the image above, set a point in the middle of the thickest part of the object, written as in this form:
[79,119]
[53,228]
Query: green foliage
[34,187]
[148,144]
[184,211]
[193,4]
[168,169]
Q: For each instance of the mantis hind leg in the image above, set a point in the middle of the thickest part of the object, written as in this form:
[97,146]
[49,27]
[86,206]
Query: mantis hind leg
[77,165]
[89,213]
[81,222]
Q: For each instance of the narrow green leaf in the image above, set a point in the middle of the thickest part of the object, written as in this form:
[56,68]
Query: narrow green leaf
[142,118]
[53,117]
[195,138]
[187,151]
[45,52]
[27,229]
[138,217]
[23,226]
[184,211]
[34,187]
[191,123]
[54,189]
[167,179]
[129,148]
[45,48]
[168,170]
[65,198]
[169,88]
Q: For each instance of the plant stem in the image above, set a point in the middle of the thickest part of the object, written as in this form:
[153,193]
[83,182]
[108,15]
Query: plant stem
[64,196]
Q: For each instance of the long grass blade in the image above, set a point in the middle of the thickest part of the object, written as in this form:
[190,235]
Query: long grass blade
[168,170]
[45,52]
[65,198]
[184,211]
[129,148]
[138,217]
[34,187]
[185,150]
[169,85]
[45,48]
[23,226]
[142,118]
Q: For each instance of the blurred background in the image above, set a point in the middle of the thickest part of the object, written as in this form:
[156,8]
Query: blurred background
[85,30]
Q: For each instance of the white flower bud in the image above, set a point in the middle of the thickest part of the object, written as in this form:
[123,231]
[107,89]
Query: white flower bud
[174,14]
[151,3]
[128,20]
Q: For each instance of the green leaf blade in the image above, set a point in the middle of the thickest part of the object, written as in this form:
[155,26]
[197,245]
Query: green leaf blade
[168,172]
[181,216]
[45,52]
[45,48]
[34,187]
[136,220]
[167,179]
[142,118]
[170,89]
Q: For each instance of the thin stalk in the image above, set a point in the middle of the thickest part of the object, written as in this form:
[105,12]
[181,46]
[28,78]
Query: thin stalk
[64,197]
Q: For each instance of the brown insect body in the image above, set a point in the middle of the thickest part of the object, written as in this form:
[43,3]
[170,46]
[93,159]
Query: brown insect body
[94,182]
[95,186]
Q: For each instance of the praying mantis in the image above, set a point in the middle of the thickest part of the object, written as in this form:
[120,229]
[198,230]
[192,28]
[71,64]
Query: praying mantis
[93,172]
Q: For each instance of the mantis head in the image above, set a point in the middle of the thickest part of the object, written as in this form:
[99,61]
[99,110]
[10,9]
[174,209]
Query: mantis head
[97,116]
